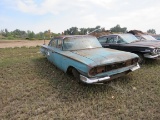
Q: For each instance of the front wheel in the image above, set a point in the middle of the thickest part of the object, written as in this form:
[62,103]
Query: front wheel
[76,74]
[141,58]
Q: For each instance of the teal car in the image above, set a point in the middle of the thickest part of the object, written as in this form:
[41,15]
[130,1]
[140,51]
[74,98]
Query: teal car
[85,58]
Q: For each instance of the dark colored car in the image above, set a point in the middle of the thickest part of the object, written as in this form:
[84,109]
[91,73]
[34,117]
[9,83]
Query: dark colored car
[128,42]
[85,58]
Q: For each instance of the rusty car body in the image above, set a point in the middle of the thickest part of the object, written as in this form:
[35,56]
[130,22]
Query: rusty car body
[128,42]
[85,58]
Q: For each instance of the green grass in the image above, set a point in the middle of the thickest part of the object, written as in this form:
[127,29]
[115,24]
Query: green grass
[33,88]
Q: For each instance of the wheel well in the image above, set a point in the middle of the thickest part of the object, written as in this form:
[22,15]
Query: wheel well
[141,57]
[69,70]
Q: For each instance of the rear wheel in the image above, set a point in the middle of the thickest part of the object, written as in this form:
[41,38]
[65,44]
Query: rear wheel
[141,58]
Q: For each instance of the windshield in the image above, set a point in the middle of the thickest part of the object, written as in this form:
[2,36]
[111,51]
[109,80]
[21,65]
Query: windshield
[148,37]
[79,43]
[129,38]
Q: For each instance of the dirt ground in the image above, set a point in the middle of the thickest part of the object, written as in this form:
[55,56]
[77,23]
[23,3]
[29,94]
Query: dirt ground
[21,43]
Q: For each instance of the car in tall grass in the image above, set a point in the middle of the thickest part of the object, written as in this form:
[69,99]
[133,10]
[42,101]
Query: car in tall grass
[128,42]
[85,58]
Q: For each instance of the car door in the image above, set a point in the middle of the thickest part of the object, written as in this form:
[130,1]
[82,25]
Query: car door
[50,49]
[112,41]
[54,50]
[108,41]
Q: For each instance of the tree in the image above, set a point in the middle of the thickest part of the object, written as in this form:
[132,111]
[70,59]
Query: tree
[83,31]
[19,33]
[31,34]
[73,31]
[117,28]
[152,31]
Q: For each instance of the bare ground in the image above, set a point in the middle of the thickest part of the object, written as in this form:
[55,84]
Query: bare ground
[21,43]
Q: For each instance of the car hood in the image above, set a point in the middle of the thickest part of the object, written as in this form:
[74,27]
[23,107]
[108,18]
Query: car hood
[101,56]
[153,43]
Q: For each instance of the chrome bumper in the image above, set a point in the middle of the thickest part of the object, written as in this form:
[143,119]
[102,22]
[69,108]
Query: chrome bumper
[151,56]
[95,80]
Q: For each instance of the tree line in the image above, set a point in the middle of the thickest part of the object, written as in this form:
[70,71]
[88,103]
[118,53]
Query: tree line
[84,31]
[20,34]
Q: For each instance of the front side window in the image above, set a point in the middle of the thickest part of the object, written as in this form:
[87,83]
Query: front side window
[120,40]
[111,39]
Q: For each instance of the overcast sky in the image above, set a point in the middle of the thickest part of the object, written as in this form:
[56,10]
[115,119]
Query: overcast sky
[59,15]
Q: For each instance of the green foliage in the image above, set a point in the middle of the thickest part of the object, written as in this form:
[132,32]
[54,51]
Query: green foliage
[152,31]
[10,38]
[31,35]
[117,29]
[80,31]
[20,34]
[72,31]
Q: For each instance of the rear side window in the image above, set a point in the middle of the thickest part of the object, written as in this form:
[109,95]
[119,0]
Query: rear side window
[53,43]
[56,43]
[102,39]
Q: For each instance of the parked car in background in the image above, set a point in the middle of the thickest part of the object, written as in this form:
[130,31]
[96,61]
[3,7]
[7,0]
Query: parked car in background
[156,36]
[85,58]
[145,37]
[128,42]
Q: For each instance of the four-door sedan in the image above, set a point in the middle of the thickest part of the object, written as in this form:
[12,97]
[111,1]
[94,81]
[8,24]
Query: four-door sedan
[85,58]
[128,42]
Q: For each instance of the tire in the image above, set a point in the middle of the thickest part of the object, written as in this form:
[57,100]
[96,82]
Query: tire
[142,59]
[76,74]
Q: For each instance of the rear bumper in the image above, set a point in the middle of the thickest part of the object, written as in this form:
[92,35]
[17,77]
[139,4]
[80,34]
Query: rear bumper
[107,78]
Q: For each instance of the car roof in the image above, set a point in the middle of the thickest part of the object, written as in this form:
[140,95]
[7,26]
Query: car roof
[71,36]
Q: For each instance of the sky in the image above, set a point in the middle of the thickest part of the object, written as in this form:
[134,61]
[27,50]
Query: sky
[59,15]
